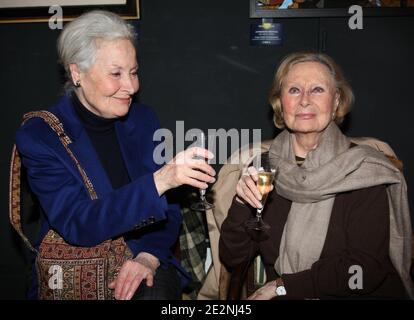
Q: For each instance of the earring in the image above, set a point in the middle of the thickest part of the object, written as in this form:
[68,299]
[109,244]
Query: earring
[77,84]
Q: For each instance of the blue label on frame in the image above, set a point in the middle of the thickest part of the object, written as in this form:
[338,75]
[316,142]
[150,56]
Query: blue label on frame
[266,34]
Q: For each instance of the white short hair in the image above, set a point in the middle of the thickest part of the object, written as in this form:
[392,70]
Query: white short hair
[78,41]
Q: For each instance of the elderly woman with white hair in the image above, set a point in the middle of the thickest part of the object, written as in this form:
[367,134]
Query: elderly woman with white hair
[107,226]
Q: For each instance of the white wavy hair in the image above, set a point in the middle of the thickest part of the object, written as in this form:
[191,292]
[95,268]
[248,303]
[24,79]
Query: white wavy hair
[78,42]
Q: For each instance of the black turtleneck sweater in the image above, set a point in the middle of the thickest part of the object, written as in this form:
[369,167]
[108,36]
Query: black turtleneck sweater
[103,136]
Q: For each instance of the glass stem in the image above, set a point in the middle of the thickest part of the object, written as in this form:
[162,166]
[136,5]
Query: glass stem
[203,194]
[259,214]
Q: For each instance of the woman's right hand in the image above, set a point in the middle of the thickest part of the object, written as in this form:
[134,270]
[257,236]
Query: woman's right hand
[246,189]
[188,167]
[133,273]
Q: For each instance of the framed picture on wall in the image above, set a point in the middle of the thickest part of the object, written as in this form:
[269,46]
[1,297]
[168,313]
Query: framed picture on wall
[328,8]
[38,10]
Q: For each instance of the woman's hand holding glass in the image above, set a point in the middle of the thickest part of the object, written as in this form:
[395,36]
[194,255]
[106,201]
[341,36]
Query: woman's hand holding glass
[247,190]
[188,167]
[255,190]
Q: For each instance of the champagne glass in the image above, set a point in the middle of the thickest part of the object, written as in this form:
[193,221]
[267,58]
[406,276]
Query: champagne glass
[256,227]
[205,142]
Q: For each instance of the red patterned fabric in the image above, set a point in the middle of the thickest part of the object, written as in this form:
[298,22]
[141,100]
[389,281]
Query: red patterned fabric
[67,272]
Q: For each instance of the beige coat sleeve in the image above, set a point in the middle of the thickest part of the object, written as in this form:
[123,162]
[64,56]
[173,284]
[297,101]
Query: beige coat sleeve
[224,191]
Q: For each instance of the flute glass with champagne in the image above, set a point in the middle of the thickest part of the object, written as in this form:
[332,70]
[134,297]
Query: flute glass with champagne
[256,227]
[205,142]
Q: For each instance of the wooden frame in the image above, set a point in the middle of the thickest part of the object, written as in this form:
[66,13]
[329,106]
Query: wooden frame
[17,11]
[331,8]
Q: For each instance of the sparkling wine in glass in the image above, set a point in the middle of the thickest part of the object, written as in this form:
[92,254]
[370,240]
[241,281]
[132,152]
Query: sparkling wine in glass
[256,227]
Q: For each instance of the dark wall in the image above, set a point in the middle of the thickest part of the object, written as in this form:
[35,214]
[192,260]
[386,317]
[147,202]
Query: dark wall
[196,65]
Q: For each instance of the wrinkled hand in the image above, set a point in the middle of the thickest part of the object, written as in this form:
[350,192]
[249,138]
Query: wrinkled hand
[266,292]
[132,273]
[246,189]
[188,167]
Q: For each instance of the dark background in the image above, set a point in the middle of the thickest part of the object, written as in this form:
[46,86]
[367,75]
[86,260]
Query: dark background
[196,65]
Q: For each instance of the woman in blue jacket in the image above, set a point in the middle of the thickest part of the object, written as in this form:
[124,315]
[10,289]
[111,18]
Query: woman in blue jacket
[112,138]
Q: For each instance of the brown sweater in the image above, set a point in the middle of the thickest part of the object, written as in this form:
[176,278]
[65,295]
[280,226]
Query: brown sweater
[358,234]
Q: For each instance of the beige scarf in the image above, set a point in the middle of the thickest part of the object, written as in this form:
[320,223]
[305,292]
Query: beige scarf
[333,168]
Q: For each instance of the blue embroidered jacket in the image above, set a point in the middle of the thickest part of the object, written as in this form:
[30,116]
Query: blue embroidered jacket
[56,181]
